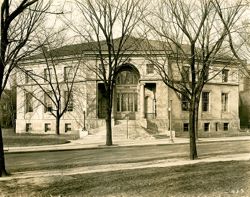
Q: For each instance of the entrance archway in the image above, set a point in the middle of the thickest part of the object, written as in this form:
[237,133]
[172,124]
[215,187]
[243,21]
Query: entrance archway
[126,92]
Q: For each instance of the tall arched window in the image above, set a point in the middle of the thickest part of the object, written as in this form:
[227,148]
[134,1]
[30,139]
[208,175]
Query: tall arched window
[127,77]
[126,88]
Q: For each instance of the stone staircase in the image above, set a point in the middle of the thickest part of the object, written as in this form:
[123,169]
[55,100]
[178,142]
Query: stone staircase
[122,130]
[130,129]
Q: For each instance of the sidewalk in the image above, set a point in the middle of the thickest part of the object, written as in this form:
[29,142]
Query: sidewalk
[97,144]
[125,166]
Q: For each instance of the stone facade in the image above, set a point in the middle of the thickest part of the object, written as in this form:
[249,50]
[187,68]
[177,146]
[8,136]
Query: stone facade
[139,94]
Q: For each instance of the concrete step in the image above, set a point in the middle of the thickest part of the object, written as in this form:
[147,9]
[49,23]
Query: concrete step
[125,122]
[123,129]
[132,132]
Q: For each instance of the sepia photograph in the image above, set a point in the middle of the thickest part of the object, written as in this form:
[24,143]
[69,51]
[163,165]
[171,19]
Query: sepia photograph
[125,98]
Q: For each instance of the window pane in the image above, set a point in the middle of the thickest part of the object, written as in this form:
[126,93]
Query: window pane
[68,73]
[28,102]
[130,102]
[48,74]
[123,102]
[225,75]
[135,101]
[150,68]
[28,73]
[126,102]
[69,98]
[48,102]
[126,77]
[184,103]
[224,101]
[205,101]
[185,73]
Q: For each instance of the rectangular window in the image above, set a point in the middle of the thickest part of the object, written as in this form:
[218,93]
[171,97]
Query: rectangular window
[47,127]
[205,73]
[28,102]
[216,126]
[68,73]
[27,76]
[48,102]
[150,68]
[185,73]
[103,68]
[28,127]
[47,74]
[206,126]
[68,99]
[225,126]
[224,102]
[184,103]
[185,127]
[205,101]
[67,127]
[225,75]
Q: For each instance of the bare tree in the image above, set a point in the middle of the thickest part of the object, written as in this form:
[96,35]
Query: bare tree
[18,21]
[193,38]
[107,26]
[53,85]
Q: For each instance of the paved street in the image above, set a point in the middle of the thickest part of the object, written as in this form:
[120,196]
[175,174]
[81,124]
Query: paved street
[111,155]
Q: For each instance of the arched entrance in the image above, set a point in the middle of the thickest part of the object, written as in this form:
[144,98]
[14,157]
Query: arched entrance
[126,92]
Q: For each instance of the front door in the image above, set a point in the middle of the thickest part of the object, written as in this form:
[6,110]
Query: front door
[126,95]
[126,104]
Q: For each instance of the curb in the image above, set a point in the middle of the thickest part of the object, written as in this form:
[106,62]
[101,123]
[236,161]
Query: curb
[102,146]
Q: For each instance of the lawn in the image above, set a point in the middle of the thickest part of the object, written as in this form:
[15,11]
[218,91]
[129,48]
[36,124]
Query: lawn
[11,139]
[204,179]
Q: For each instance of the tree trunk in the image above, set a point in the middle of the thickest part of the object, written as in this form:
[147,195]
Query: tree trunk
[58,125]
[197,121]
[108,104]
[192,130]
[2,160]
[109,130]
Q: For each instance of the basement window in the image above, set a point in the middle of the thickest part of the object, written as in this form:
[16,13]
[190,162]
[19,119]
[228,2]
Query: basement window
[67,127]
[185,127]
[216,126]
[225,126]
[206,126]
[47,127]
[28,127]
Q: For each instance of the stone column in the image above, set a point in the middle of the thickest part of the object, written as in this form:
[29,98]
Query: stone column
[142,100]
